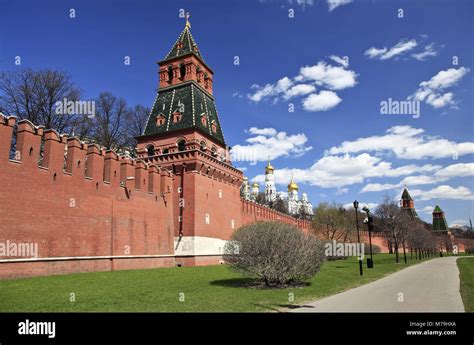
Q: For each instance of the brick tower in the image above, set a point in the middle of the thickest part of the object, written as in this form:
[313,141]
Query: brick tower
[439,221]
[184,135]
[407,204]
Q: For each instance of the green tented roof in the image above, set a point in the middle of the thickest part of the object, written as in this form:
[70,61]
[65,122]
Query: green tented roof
[406,195]
[185,44]
[193,103]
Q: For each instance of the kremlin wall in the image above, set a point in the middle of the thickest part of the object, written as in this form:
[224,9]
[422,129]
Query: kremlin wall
[85,208]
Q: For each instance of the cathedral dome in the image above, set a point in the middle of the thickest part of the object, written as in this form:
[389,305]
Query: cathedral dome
[255,185]
[269,169]
[292,186]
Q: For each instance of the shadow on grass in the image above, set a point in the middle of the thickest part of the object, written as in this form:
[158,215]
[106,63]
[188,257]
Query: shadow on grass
[250,283]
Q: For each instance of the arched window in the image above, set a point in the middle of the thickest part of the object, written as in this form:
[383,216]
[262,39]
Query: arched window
[150,150]
[214,151]
[182,145]
[203,145]
[170,74]
[182,71]
[177,116]
[160,120]
[204,119]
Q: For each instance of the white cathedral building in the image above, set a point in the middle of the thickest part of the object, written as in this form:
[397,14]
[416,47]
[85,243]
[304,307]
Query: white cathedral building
[293,202]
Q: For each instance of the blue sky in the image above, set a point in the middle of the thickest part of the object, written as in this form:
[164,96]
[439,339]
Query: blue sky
[337,143]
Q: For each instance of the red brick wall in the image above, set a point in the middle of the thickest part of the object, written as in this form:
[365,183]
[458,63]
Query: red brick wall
[87,214]
[77,213]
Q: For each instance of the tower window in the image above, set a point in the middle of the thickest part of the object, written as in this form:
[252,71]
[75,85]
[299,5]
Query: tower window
[182,71]
[203,119]
[214,151]
[150,150]
[181,145]
[214,126]
[203,146]
[170,74]
[160,120]
[177,116]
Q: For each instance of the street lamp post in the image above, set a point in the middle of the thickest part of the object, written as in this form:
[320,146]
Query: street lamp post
[356,206]
[369,227]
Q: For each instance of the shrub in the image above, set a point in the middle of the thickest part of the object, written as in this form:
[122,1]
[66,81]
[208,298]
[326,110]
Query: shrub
[375,249]
[274,253]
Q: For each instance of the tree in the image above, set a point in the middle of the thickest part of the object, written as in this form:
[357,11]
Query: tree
[275,253]
[280,205]
[333,222]
[390,220]
[136,122]
[32,95]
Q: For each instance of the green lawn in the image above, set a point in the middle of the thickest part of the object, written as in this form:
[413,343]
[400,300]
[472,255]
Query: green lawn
[466,274]
[206,289]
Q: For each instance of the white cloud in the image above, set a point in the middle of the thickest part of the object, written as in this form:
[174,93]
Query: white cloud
[268,142]
[299,90]
[332,77]
[378,187]
[342,171]
[427,209]
[387,53]
[427,52]
[456,170]
[421,180]
[342,191]
[340,61]
[263,131]
[444,192]
[323,101]
[333,4]
[406,142]
[431,91]
[321,75]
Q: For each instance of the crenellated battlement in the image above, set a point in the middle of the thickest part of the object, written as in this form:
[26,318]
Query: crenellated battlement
[252,211]
[47,150]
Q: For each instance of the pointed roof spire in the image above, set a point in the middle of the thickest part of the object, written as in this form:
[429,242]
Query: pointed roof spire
[185,44]
[437,209]
[406,195]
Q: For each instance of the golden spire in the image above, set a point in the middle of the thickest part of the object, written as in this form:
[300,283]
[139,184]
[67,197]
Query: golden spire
[269,167]
[188,24]
[292,185]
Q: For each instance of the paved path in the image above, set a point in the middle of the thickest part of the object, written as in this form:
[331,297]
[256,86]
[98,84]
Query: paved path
[432,286]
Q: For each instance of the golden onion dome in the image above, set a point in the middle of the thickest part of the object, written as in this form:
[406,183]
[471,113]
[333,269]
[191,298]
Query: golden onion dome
[255,185]
[292,185]
[269,168]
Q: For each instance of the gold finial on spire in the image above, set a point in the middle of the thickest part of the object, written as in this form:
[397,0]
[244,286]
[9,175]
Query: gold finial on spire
[188,24]
[269,168]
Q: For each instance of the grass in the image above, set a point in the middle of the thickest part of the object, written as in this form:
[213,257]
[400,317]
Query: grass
[206,289]
[466,275]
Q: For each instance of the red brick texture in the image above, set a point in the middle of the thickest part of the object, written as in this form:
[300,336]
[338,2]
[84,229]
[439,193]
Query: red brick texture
[93,210]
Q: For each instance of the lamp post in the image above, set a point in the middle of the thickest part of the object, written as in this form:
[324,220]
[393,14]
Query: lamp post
[369,227]
[356,206]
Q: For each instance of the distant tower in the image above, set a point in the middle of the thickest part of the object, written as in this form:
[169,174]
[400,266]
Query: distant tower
[293,202]
[245,189]
[270,190]
[439,220]
[308,207]
[407,203]
[255,191]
